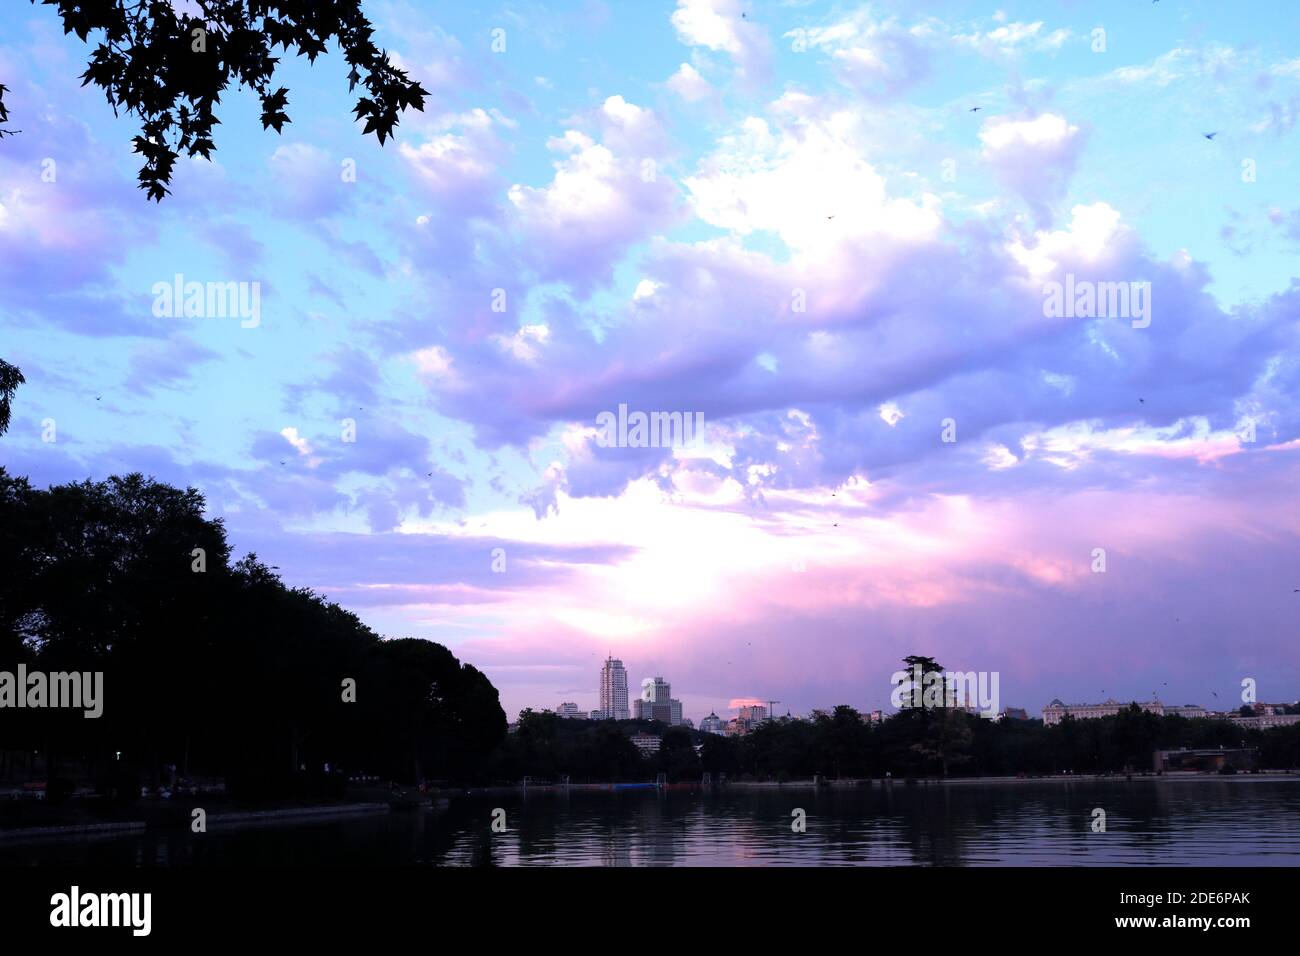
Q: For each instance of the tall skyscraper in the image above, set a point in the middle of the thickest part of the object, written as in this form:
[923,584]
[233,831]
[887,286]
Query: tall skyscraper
[613,690]
[656,690]
[656,702]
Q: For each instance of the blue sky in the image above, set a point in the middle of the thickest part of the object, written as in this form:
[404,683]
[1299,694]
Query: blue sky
[649,183]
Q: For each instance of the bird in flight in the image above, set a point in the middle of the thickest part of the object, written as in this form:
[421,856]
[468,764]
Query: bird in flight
[975,109]
[1210,135]
[1142,400]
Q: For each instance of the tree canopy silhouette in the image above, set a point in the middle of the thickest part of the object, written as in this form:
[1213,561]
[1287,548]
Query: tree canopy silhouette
[10,379]
[170,68]
[212,665]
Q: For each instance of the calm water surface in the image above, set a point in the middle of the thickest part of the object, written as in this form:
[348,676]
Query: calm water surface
[1202,822]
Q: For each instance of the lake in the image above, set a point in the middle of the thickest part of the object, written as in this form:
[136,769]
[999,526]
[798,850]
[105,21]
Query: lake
[1204,822]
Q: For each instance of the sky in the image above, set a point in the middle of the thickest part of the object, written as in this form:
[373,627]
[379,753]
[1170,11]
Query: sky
[828,228]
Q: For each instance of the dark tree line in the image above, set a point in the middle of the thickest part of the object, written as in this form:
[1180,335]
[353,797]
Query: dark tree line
[913,743]
[548,748]
[224,671]
[227,671]
[925,742]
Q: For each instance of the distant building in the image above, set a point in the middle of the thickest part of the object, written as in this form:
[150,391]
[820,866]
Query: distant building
[1204,760]
[1266,721]
[570,711]
[1056,711]
[1013,713]
[876,717]
[656,689]
[656,703]
[613,690]
[1271,710]
[748,718]
[646,743]
[713,724]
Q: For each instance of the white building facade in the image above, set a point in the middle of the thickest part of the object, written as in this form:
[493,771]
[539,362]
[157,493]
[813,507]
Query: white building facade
[613,690]
[1056,711]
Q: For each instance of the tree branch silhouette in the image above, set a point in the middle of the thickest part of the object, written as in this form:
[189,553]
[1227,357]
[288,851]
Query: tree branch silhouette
[170,69]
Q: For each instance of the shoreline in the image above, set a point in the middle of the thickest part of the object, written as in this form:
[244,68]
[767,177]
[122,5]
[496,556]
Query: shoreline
[872,782]
[234,820]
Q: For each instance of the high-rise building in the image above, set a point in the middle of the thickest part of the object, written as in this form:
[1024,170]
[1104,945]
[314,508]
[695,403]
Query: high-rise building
[613,690]
[656,703]
[656,690]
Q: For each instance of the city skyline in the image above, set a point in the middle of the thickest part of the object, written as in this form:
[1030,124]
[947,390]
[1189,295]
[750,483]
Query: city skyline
[658,686]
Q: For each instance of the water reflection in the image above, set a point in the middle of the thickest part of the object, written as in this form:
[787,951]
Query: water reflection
[1202,822]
